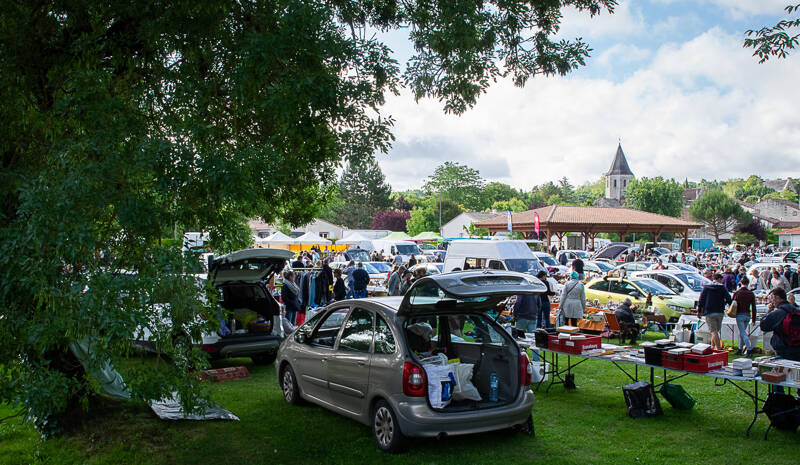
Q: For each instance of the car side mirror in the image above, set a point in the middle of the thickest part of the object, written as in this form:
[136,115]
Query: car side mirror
[301,337]
[635,294]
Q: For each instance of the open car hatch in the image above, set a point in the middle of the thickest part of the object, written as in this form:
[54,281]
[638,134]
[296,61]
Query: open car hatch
[250,265]
[466,291]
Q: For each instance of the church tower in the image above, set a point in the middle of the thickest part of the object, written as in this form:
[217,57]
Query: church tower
[618,177]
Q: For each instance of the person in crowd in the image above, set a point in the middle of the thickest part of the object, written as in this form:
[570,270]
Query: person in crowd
[785,343]
[298,261]
[419,273]
[526,312]
[406,282]
[339,289]
[572,304]
[412,261]
[288,326]
[627,321]
[729,280]
[397,260]
[351,267]
[360,281]
[745,313]
[713,299]
[395,280]
[563,259]
[543,319]
[763,280]
[290,295]
[577,265]
[779,281]
[326,274]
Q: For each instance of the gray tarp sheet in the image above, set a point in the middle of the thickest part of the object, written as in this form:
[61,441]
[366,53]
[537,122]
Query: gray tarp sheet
[113,385]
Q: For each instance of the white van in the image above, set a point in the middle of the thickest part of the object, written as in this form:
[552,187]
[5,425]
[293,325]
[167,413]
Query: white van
[403,248]
[494,255]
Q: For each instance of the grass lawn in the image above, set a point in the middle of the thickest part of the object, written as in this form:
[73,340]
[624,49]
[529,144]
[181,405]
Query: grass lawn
[585,426]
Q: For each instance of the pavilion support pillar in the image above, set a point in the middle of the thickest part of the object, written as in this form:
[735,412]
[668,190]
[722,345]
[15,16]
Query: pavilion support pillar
[548,234]
[560,236]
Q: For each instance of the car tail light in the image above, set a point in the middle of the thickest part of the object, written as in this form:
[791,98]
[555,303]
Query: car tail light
[413,380]
[525,370]
[208,348]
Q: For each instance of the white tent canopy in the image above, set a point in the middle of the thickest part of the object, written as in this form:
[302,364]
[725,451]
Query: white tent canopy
[311,238]
[352,239]
[280,238]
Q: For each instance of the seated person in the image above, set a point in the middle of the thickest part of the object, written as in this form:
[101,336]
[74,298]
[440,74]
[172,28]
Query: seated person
[627,322]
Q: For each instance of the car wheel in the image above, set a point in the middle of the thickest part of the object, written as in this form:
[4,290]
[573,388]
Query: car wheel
[265,358]
[526,427]
[291,391]
[386,429]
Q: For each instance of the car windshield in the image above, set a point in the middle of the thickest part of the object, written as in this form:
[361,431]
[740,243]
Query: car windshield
[524,265]
[694,281]
[654,287]
[685,267]
[581,253]
[358,255]
[604,267]
[407,249]
[381,267]
[427,247]
[370,267]
[548,260]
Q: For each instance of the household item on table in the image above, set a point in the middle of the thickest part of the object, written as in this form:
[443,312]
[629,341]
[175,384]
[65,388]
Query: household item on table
[641,400]
[682,335]
[647,344]
[684,345]
[677,397]
[703,337]
[776,375]
[568,329]
[701,349]
[577,337]
[663,342]
[703,363]
[654,355]
[574,346]
[673,358]
[743,363]
[540,336]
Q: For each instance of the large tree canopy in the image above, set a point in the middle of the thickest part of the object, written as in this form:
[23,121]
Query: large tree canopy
[719,212]
[655,195]
[123,119]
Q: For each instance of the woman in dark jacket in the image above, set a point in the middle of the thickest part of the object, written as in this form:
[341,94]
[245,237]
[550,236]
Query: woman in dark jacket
[290,295]
[339,290]
[544,308]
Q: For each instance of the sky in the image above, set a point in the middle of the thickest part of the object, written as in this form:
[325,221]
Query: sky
[668,78]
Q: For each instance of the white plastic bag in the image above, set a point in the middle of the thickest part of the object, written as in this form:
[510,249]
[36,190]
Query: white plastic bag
[464,389]
[437,374]
[539,372]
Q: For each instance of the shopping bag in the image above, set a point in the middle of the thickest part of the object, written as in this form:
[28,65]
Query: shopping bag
[464,389]
[539,372]
[677,397]
[440,384]
[641,400]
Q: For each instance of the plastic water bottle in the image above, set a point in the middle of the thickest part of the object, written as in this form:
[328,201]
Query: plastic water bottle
[493,385]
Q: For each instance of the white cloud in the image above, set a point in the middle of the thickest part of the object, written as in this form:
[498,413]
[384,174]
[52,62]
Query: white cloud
[626,21]
[701,109]
[622,54]
[739,9]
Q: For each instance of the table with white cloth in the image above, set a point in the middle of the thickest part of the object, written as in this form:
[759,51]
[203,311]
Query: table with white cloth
[730,331]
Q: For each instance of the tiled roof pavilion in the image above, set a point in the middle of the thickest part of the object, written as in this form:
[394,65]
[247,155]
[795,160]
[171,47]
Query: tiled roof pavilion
[561,219]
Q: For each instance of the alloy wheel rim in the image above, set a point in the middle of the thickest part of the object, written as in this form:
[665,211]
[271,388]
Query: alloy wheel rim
[384,426]
[287,386]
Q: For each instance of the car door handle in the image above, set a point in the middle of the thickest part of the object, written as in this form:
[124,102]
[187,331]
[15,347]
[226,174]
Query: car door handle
[361,362]
[324,361]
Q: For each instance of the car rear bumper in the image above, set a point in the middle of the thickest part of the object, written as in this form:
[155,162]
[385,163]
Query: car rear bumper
[418,420]
[242,346]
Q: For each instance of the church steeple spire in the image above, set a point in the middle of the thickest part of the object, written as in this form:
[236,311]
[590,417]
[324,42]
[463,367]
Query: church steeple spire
[618,176]
[620,165]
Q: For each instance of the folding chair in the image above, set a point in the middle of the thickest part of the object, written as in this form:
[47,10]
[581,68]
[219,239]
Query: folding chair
[660,322]
[613,326]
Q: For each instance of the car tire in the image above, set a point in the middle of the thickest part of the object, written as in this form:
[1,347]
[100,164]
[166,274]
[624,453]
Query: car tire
[291,391]
[386,429]
[264,359]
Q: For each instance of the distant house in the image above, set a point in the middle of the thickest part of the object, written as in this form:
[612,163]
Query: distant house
[779,185]
[780,209]
[692,194]
[324,228]
[789,238]
[457,227]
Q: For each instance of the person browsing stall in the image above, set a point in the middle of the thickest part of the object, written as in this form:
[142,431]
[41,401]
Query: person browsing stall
[745,313]
[713,299]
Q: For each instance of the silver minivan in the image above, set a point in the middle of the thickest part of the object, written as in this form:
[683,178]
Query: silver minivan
[369,359]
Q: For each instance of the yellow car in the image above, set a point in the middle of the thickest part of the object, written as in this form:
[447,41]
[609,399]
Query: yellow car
[665,301]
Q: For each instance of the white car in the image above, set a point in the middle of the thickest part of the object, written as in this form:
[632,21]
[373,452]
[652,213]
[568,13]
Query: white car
[684,283]
[553,267]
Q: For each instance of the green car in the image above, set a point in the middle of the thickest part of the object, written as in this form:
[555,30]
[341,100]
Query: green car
[668,303]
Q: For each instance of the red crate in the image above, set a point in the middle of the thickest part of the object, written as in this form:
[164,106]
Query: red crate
[553,343]
[574,347]
[697,363]
[672,361]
